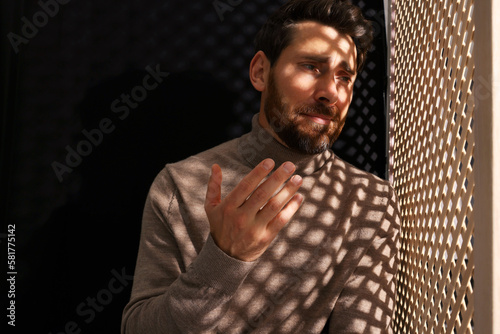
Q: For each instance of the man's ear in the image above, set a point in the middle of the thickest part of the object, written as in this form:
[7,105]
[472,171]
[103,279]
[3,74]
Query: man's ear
[259,71]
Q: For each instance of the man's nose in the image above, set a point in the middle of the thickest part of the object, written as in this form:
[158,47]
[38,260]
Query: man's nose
[327,91]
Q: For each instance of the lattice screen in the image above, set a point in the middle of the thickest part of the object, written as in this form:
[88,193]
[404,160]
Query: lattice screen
[431,150]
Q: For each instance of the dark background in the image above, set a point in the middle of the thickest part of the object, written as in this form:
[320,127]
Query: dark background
[78,231]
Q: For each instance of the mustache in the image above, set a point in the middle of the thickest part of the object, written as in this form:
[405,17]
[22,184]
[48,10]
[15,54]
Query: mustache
[319,109]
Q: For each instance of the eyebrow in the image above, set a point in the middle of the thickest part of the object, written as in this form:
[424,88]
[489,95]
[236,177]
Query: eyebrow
[324,59]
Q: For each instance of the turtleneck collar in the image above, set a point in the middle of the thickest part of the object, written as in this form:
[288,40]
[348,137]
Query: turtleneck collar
[259,144]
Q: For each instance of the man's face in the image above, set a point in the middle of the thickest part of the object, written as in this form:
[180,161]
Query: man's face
[309,88]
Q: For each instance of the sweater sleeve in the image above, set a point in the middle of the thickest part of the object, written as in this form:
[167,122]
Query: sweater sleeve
[368,298]
[170,295]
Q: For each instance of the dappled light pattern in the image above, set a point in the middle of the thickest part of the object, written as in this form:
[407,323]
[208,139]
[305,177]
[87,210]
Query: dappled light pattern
[322,262]
[432,163]
[338,253]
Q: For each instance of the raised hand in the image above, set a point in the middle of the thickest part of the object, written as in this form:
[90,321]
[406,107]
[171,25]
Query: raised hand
[246,222]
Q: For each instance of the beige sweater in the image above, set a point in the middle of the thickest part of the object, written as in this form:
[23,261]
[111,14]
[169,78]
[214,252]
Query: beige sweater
[336,259]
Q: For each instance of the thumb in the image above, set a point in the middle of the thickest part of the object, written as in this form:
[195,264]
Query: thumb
[213,197]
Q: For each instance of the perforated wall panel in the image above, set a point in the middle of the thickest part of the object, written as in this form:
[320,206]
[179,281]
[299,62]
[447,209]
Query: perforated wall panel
[431,152]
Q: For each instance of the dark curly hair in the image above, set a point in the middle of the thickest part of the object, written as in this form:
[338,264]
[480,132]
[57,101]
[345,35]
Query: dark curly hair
[276,34]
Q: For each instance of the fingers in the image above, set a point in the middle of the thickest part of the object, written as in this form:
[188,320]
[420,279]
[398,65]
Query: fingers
[238,225]
[266,190]
[248,184]
[276,203]
[284,216]
[213,197]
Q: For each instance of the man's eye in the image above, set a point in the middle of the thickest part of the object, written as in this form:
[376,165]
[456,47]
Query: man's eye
[345,79]
[311,67]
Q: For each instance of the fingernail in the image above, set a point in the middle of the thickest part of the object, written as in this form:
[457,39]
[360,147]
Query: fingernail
[268,164]
[289,167]
[296,179]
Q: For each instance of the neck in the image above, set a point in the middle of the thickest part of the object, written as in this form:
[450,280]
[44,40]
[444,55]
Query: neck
[262,143]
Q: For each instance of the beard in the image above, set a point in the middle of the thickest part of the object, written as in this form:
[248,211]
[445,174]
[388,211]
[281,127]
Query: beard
[293,126]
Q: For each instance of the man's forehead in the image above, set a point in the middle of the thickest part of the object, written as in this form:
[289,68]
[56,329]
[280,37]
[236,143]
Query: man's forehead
[315,38]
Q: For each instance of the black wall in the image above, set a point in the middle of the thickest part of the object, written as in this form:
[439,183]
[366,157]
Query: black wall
[66,72]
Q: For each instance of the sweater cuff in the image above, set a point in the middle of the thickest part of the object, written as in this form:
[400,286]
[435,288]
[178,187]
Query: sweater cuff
[219,270]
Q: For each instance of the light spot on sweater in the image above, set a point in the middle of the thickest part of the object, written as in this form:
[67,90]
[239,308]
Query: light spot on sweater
[314,237]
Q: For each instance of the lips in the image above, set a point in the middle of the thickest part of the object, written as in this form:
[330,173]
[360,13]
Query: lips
[320,119]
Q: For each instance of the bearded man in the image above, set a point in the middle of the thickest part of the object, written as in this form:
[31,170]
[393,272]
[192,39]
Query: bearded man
[271,232]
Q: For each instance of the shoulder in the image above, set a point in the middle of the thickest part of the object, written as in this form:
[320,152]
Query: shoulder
[189,176]
[204,160]
[364,185]
[373,199]
[355,176]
